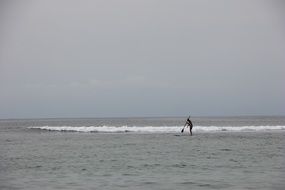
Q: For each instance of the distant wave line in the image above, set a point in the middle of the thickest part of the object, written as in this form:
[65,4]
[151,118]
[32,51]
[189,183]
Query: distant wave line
[157,129]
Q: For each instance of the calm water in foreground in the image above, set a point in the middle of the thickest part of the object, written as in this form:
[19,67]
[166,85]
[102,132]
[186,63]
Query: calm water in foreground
[143,153]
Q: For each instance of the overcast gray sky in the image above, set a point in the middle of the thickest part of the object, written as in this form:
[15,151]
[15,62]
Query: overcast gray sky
[107,58]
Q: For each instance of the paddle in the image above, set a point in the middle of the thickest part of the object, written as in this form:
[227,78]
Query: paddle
[184,126]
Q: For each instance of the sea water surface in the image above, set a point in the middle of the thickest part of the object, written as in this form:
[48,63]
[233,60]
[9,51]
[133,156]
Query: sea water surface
[143,153]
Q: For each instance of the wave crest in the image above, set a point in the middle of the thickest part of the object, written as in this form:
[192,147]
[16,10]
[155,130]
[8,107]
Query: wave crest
[157,129]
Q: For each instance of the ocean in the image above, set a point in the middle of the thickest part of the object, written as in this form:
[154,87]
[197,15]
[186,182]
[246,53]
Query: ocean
[143,153]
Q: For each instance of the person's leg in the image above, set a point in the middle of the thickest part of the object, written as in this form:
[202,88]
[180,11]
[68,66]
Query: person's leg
[190,128]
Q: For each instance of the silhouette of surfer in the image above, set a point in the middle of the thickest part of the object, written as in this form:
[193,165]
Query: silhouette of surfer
[188,124]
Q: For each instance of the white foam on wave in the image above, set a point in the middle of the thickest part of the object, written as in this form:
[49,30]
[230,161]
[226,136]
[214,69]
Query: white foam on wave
[159,129]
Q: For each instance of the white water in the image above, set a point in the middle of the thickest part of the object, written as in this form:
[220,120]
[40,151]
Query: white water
[160,129]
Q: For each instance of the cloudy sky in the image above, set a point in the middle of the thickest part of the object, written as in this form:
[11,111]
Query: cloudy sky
[110,58]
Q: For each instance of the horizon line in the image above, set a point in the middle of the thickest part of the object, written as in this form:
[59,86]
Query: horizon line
[140,117]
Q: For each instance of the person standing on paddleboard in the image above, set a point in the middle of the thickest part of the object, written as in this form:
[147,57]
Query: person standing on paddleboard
[188,124]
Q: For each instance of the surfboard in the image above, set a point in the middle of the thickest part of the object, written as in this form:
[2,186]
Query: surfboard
[180,135]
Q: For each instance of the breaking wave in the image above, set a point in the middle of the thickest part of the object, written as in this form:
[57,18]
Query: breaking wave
[158,129]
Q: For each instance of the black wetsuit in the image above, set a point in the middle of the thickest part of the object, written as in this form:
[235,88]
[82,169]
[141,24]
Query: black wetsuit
[189,123]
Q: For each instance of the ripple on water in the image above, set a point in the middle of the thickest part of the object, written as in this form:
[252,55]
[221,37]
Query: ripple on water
[179,165]
[225,149]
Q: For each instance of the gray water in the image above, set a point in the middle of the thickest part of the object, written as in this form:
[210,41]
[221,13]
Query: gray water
[38,159]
